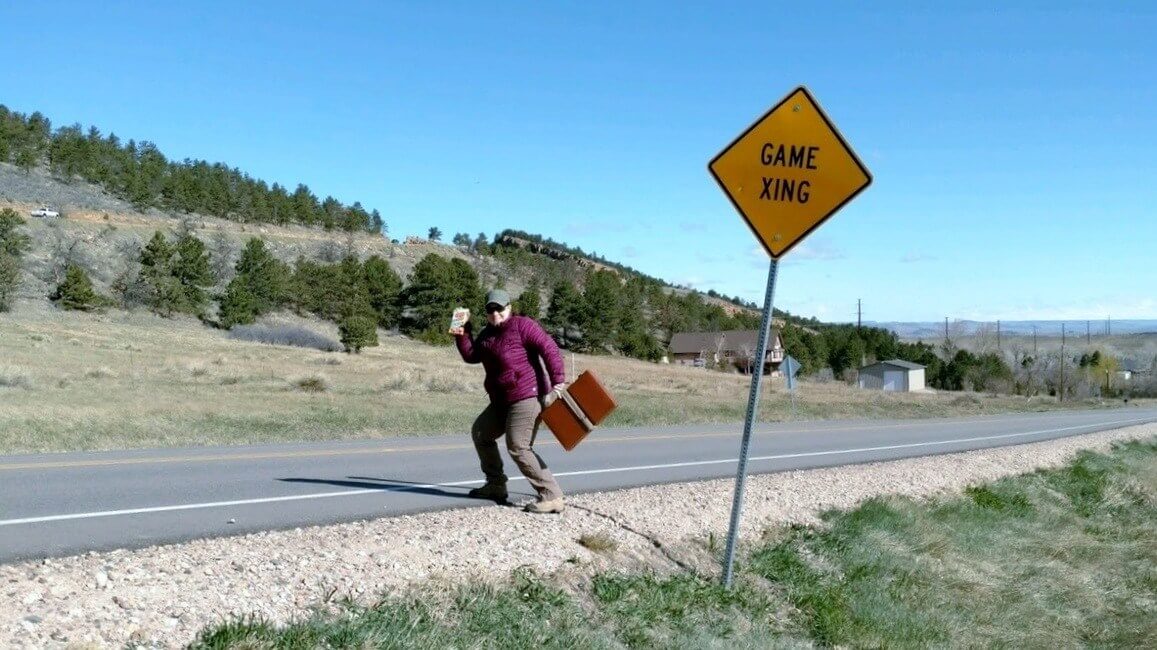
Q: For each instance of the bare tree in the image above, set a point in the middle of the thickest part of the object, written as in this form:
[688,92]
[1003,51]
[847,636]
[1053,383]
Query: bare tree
[65,251]
[222,254]
[955,333]
[984,339]
[717,352]
[747,354]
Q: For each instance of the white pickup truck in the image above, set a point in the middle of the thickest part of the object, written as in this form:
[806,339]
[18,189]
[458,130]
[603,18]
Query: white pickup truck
[45,212]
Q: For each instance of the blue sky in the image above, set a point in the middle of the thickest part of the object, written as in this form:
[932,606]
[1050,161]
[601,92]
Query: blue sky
[1012,146]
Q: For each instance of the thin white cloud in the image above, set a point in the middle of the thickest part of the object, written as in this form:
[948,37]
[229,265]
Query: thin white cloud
[912,258]
[1141,309]
[816,249]
[1095,310]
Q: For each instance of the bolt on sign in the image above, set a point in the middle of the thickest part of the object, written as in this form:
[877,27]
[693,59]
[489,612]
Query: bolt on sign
[788,172]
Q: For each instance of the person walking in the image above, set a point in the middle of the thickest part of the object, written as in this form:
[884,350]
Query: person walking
[519,385]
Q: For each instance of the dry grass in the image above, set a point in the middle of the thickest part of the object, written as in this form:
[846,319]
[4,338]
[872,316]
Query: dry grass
[13,377]
[127,380]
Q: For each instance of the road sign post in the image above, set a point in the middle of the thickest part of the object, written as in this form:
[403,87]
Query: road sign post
[786,174]
[790,367]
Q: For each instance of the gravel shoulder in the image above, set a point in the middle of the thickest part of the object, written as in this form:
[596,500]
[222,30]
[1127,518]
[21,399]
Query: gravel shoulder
[163,596]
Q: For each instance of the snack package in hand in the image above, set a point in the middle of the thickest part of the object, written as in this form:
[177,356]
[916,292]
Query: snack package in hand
[461,315]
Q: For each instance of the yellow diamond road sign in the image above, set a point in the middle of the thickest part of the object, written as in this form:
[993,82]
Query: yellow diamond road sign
[789,172]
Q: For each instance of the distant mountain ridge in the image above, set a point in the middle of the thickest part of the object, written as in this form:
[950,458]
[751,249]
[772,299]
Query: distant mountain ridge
[930,330]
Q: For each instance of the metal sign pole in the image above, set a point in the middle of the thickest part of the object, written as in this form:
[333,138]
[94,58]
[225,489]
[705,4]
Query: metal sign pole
[790,364]
[791,389]
[752,409]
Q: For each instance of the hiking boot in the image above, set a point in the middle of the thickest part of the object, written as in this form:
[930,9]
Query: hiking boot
[495,491]
[543,507]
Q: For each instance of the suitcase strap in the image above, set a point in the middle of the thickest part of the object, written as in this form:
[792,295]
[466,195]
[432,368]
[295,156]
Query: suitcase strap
[578,412]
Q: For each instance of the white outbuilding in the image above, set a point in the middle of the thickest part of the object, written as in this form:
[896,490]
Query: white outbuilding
[893,375]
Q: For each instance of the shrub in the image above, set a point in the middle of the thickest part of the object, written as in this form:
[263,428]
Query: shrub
[444,384]
[284,335]
[315,383]
[358,331]
[76,292]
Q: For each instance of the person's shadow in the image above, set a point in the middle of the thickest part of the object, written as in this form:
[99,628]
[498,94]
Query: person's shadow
[393,485]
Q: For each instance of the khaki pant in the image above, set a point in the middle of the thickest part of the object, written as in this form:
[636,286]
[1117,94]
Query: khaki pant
[519,423]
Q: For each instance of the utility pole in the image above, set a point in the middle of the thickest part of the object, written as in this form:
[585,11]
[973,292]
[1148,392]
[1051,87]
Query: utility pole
[1061,392]
[1086,332]
[1034,339]
[1108,326]
[946,329]
[998,334]
[859,314]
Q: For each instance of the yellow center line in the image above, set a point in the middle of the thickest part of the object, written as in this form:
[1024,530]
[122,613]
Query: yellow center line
[320,453]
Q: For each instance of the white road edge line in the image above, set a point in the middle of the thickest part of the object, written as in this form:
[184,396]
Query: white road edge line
[610,470]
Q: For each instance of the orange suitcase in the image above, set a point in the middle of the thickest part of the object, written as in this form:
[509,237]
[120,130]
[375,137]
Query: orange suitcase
[583,405]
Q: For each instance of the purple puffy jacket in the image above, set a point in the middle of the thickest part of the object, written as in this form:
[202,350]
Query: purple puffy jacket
[509,353]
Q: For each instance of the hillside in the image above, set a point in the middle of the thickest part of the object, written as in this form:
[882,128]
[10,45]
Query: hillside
[97,229]
[103,233]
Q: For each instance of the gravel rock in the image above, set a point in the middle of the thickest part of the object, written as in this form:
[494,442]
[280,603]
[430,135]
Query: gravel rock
[166,595]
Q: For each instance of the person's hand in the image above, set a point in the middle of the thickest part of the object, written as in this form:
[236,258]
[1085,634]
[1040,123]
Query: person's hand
[457,331]
[553,395]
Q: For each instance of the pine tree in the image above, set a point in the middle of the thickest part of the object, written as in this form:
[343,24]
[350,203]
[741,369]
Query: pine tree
[384,287]
[564,312]
[632,332]
[435,234]
[600,310]
[13,242]
[316,289]
[238,305]
[429,299]
[358,324]
[529,302]
[466,288]
[75,291]
[481,245]
[192,271]
[13,245]
[9,280]
[165,293]
[358,331]
[263,275]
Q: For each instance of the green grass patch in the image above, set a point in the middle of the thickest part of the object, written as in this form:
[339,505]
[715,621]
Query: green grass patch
[1051,559]
[682,611]
[1057,558]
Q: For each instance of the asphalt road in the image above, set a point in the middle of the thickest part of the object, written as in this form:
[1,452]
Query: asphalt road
[63,504]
